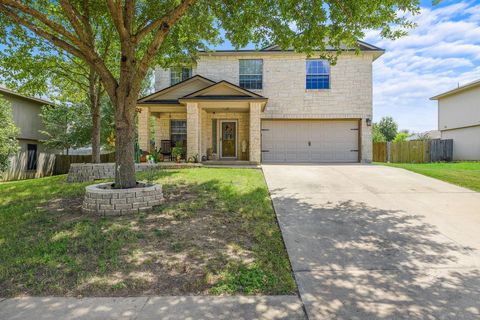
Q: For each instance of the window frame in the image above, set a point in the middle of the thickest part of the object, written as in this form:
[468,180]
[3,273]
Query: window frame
[32,162]
[173,144]
[182,76]
[240,74]
[326,74]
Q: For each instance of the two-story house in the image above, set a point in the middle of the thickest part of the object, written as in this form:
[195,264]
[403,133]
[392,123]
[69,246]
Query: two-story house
[459,119]
[32,160]
[268,105]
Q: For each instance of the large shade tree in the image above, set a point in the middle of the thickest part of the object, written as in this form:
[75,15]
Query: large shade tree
[8,135]
[156,31]
[34,66]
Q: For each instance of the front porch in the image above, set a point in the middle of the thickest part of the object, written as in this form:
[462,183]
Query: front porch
[220,122]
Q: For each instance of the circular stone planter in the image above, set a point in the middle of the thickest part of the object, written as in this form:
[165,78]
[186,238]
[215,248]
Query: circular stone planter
[102,199]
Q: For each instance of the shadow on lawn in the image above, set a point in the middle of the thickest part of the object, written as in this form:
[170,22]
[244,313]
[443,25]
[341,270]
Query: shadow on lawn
[208,237]
[354,261]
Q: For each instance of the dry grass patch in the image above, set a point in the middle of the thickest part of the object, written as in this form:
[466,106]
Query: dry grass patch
[215,234]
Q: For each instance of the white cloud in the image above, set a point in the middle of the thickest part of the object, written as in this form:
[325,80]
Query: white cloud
[443,51]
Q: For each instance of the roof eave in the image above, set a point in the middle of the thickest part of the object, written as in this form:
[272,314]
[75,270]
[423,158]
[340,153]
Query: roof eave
[457,90]
[13,93]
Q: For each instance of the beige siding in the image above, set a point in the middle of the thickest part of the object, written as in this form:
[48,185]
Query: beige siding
[18,164]
[26,114]
[466,142]
[459,110]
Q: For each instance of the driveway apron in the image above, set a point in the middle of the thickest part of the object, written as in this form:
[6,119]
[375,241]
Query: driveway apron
[375,242]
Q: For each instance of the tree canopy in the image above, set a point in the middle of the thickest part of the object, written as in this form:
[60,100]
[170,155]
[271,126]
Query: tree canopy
[169,31]
[8,134]
[66,126]
[387,127]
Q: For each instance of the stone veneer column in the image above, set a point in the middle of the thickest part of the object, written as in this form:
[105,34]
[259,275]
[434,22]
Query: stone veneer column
[255,132]
[366,141]
[158,132]
[193,129]
[144,129]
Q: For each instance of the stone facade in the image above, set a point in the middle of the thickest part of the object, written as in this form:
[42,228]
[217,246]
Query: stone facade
[82,172]
[193,130]
[284,74]
[350,92]
[144,123]
[162,125]
[255,132]
[101,200]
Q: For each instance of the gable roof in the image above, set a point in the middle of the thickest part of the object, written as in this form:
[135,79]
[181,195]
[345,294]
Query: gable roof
[171,94]
[223,89]
[467,86]
[200,88]
[364,46]
[13,93]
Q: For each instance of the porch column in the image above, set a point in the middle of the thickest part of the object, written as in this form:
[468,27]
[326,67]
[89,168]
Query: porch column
[193,129]
[144,129]
[158,133]
[255,132]
[365,143]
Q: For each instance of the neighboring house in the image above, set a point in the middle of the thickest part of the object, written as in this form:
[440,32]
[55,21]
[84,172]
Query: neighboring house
[459,119]
[265,105]
[431,135]
[32,160]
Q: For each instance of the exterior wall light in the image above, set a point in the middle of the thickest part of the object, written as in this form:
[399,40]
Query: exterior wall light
[369,122]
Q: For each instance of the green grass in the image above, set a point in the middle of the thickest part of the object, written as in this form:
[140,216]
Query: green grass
[216,234]
[465,174]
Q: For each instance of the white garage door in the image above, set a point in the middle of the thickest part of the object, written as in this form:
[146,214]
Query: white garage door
[310,141]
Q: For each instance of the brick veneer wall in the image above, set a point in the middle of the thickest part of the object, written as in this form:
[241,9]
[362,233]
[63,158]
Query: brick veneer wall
[120,201]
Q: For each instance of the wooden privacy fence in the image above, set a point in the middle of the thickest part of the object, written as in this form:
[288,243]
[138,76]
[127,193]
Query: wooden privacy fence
[62,162]
[416,151]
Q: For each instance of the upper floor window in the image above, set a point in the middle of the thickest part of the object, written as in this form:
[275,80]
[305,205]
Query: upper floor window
[179,74]
[251,74]
[318,74]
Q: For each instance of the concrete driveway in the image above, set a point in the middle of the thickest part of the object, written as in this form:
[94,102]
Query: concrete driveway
[375,242]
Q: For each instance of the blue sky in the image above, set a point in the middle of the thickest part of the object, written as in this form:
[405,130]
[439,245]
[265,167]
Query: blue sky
[442,52]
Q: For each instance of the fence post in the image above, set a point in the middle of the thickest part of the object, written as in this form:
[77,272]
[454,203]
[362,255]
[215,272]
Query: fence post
[389,151]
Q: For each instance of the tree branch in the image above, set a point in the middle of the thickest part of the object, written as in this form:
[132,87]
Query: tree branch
[72,15]
[78,48]
[40,17]
[162,30]
[129,14]
[117,16]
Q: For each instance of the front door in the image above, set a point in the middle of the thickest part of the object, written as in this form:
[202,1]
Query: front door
[228,140]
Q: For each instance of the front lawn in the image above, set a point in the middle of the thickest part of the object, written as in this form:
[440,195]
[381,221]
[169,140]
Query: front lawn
[465,174]
[215,234]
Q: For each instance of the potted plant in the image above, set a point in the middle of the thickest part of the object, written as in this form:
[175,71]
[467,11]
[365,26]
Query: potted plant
[150,159]
[177,153]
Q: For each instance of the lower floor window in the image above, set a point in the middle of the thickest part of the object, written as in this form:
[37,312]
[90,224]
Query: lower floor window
[32,157]
[178,132]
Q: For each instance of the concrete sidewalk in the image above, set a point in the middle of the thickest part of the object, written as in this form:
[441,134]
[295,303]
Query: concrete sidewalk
[165,308]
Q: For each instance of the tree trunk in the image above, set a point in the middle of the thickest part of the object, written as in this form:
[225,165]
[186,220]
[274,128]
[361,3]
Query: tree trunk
[96,128]
[94,97]
[124,143]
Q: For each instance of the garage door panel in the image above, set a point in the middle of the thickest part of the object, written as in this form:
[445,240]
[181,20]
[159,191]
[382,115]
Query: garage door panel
[310,140]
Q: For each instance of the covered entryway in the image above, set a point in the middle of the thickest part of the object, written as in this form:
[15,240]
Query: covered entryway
[310,140]
[212,120]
